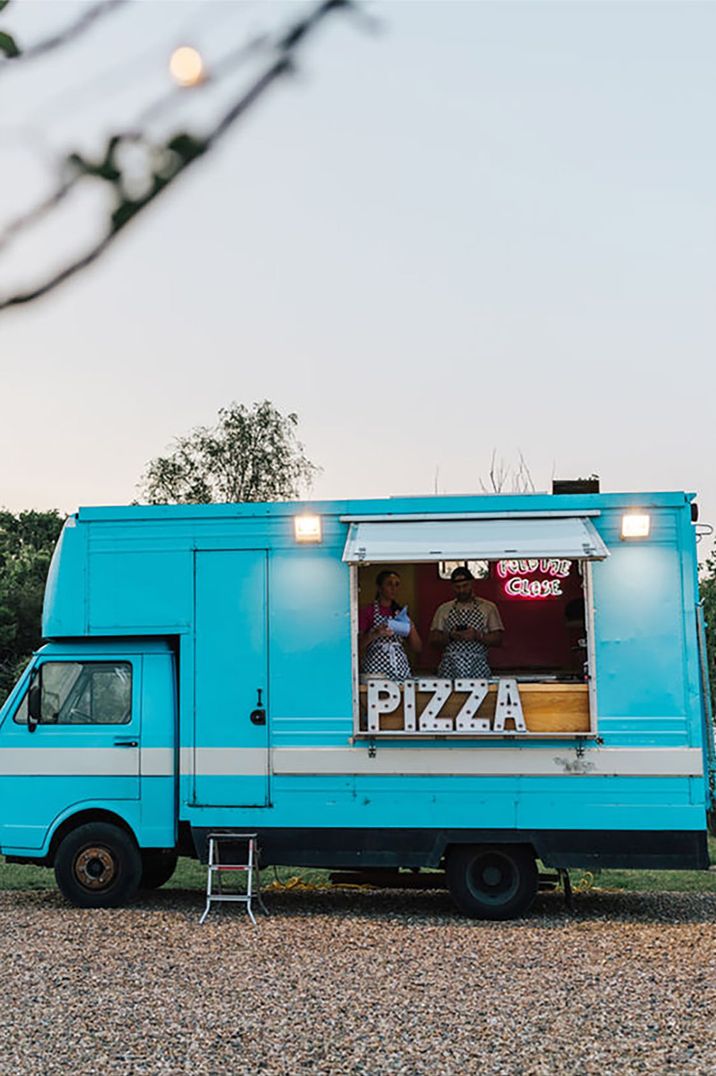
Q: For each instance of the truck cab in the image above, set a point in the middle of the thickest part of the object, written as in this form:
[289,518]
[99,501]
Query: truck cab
[88,741]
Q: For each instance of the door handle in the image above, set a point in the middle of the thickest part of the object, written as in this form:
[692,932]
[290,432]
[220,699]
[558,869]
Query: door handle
[258,716]
[126,743]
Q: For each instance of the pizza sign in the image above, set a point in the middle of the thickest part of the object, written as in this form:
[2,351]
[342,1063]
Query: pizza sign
[444,706]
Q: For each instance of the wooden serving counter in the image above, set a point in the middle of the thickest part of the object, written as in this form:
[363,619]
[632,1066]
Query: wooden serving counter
[547,707]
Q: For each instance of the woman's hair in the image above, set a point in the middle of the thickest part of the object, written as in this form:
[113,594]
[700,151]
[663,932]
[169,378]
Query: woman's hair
[380,579]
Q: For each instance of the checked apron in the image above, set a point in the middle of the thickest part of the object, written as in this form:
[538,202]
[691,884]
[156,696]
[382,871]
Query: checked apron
[385,657]
[465,660]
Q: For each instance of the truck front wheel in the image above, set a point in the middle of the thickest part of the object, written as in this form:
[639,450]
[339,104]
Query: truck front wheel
[98,865]
[492,881]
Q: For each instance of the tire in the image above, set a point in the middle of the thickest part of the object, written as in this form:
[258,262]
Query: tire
[157,868]
[98,865]
[492,881]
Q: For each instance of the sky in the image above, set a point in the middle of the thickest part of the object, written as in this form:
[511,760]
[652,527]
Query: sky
[473,228]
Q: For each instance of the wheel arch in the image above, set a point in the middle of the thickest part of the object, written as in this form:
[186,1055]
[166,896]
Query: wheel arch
[518,841]
[81,818]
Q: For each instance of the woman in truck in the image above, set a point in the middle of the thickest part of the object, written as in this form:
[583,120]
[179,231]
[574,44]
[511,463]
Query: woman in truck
[384,628]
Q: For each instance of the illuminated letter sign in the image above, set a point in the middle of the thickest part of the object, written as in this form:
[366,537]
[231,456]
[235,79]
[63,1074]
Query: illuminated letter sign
[466,720]
[440,715]
[383,698]
[533,578]
[509,707]
[429,720]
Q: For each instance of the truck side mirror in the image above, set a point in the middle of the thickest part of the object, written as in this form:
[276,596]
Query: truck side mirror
[34,701]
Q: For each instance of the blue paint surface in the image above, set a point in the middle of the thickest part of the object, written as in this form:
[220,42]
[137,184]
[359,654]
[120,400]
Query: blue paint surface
[261,611]
[231,672]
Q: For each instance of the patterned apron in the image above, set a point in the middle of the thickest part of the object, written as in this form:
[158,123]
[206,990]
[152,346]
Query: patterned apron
[385,657]
[461,659]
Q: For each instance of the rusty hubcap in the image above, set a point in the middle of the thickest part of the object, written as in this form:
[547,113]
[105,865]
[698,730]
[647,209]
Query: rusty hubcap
[95,868]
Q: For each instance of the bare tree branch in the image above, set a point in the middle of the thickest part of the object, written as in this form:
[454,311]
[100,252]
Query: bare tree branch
[64,274]
[37,212]
[501,472]
[169,160]
[62,37]
[497,475]
[523,479]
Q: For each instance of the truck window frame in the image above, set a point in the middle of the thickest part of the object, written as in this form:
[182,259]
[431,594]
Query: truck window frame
[79,690]
[589,627]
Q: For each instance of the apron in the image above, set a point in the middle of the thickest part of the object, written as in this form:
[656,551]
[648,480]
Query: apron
[385,657]
[463,660]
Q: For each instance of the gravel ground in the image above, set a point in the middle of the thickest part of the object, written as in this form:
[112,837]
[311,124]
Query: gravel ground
[359,982]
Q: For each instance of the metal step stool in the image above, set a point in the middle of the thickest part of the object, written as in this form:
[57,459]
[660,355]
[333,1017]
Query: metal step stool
[246,850]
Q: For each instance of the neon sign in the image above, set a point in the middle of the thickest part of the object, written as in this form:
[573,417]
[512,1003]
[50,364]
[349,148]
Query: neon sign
[534,578]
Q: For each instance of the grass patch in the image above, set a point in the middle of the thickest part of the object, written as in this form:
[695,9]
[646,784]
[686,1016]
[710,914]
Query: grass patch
[192,875]
[188,875]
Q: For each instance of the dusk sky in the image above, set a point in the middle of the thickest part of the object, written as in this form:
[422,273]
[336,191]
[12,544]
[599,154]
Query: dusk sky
[488,226]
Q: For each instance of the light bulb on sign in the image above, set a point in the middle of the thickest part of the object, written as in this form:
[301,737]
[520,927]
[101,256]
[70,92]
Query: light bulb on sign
[186,66]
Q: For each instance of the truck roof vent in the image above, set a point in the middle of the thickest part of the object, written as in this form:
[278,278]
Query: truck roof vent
[576,485]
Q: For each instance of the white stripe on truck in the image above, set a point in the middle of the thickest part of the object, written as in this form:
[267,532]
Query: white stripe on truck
[357,761]
[491,761]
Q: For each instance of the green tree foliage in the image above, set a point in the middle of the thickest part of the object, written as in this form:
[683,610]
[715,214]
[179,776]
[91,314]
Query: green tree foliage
[8,45]
[26,544]
[707,589]
[251,454]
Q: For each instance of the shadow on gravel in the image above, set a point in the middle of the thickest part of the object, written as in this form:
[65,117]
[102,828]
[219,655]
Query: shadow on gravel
[384,905]
[549,910]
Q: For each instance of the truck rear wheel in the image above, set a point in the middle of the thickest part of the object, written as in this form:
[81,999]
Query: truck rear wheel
[157,868]
[98,865]
[492,881]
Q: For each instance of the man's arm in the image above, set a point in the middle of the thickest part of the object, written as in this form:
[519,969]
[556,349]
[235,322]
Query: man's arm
[495,628]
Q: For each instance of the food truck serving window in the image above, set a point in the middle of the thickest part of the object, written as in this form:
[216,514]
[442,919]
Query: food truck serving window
[388,542]
[507,652]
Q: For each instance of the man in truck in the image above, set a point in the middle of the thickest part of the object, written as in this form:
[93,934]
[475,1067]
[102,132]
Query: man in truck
[464,629]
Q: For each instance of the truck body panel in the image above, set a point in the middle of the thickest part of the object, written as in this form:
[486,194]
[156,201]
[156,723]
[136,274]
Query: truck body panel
[222,615]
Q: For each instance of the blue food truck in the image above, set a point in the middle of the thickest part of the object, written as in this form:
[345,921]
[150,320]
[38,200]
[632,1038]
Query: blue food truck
[203,673]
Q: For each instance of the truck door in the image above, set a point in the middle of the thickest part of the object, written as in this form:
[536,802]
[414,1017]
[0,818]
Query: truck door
[85,748]
[231,647]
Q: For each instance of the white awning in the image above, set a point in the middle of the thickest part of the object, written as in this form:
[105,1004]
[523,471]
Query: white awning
[571,537]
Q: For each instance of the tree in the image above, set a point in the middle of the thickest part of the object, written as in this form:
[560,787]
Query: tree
[251,454]
[26,544]
[502,474]
[707,589]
